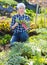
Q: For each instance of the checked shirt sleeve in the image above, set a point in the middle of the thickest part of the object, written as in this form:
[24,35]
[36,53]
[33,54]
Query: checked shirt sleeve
[13,22]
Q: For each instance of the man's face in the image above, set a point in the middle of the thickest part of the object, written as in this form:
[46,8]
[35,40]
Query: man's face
[21,10]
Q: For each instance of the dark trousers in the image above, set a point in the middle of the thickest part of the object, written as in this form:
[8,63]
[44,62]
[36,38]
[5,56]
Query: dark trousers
[21,36]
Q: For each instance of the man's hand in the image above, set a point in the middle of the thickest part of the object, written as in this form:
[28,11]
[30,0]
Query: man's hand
[16,24]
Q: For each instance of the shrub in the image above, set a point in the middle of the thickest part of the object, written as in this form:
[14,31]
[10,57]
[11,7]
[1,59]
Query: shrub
[21,54]
[5,40]
[31,13]
[16,60]
[5,24]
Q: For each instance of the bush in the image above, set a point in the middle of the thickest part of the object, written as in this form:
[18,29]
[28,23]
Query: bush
[16,60]
[12,2]
[5,24]
[18,54]
[22,54]
[31,13]
[5,40]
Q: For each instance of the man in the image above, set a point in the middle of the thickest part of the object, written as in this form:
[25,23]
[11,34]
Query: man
[19,31]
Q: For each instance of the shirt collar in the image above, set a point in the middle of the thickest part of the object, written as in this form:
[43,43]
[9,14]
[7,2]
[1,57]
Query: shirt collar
[20,15]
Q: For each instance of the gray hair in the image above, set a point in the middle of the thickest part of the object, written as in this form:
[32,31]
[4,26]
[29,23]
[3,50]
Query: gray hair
[20,5]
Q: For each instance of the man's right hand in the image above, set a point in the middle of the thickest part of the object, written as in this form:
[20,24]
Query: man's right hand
[16,24]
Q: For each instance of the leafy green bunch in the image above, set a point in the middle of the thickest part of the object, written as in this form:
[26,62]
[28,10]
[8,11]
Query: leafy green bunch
[26,24]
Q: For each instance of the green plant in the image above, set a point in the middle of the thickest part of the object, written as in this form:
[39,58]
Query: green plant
[17,54]
[27,51]
[7,36]
[31,13]
[19,60]
[21,53]
[5,40]
[8,2]
[5,24]
[3,57]
[38,59]
[24,53]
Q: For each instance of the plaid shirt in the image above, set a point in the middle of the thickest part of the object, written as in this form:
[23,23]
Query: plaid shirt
[19,28]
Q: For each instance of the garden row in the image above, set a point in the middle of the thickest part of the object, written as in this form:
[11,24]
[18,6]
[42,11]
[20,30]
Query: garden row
[32,52]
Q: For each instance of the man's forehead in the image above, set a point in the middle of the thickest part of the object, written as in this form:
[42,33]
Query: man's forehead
[21,7]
